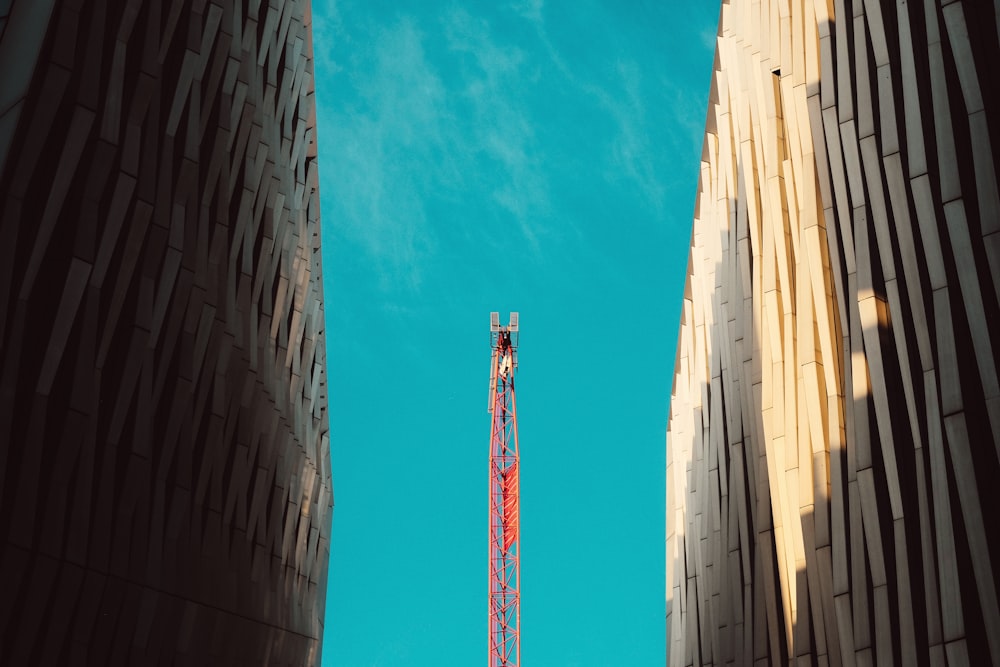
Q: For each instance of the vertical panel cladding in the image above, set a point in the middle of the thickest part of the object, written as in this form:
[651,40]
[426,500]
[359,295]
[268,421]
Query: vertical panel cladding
[839,341]
[165,487]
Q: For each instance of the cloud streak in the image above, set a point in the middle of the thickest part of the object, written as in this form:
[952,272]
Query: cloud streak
[378,147]
[500,127]
[436,146]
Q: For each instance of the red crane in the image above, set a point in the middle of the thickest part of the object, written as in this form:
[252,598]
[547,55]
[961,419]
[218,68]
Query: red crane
[505,539]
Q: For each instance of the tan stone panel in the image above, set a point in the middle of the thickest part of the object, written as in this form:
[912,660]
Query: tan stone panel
[824,322]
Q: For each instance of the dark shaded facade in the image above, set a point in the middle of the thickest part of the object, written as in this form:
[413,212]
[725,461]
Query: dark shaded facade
[165,489]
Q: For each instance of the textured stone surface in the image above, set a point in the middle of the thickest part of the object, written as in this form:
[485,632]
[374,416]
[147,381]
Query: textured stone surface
[165,491]
[834,437]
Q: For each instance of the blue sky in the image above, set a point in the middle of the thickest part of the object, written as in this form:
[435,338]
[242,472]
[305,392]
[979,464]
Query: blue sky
[481,156]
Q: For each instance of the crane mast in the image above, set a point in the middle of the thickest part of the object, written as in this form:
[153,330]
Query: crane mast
[504,539]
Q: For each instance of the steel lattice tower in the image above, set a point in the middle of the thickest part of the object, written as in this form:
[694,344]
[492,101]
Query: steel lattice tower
[504,539]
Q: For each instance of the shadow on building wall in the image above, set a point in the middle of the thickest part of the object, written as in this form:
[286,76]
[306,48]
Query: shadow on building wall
[834,427]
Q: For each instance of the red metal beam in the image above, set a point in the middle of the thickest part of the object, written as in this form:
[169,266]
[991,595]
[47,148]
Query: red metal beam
[504,538]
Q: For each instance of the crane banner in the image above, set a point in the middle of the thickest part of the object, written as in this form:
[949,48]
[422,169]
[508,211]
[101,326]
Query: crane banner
[510,502]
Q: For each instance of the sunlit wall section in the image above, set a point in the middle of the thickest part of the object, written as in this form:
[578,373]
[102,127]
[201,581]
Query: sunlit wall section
[833,447]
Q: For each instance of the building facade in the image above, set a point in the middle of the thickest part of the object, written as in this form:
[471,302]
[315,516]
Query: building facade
[165,487]
[833,447]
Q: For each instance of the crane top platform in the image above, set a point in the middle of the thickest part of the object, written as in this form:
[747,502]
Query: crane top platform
[499,333]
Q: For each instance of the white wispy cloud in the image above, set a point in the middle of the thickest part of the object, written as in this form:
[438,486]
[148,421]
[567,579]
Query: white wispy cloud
[431,111]
[529,9]
[412,139]
[655,111]
[499,126]
[629,154]
[377,147]
[633,148]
